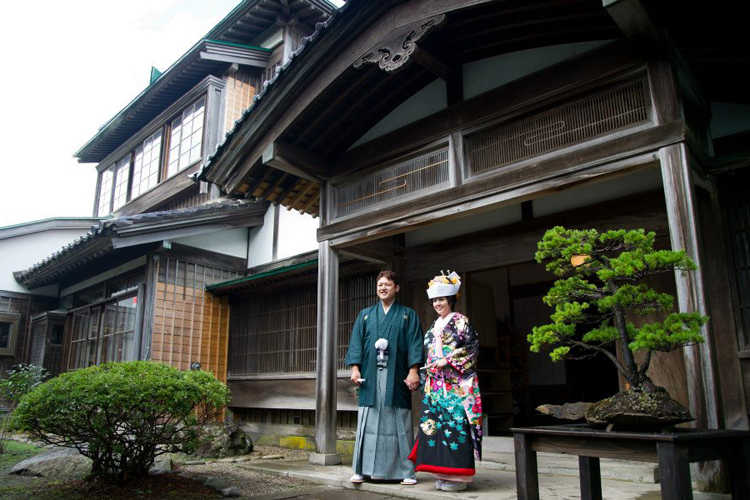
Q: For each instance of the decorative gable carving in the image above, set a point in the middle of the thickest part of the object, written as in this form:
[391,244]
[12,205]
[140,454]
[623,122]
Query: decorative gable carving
[394,54]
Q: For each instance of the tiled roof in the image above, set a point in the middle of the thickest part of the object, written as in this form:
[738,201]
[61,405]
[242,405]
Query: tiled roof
[268,87]
[108,228]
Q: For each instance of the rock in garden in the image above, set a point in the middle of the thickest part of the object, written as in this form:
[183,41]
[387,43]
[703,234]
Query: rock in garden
[223,440]
[215,483]
[162,464]
[232,491]
[272,457]
[57,463]
[568,411]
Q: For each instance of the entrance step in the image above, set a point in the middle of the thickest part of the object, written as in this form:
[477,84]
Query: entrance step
[497,454]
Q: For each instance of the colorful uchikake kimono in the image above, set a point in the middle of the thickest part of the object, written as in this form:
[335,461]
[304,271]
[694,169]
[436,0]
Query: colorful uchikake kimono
[450,431]
[384,424]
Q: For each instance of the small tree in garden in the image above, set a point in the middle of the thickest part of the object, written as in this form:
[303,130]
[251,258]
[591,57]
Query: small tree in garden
[19,381]
[602,288]
[123,415]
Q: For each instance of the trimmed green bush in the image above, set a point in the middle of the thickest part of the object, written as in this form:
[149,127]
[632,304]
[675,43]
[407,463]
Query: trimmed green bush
[123,415]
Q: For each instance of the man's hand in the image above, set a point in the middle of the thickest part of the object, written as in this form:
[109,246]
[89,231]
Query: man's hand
[355,375]
[412,380]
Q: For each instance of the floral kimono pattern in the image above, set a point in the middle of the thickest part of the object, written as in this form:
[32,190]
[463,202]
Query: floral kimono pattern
[450,432]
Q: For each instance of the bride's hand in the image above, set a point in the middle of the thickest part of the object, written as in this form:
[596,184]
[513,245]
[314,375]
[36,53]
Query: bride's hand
[440,363]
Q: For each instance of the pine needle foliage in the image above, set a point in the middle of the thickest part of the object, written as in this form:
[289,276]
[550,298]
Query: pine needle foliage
[601,288]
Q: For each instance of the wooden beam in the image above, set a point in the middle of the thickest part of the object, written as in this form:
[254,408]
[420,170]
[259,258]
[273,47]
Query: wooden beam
[233,59]
[556,170]
[309,79]
[433,64]
[700,363]
[377,252]
[300,194]
[634,21]
[496,200]
[516,242]
[295,161]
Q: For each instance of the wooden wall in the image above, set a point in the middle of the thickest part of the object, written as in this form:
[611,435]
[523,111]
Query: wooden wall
[190,324]
[240,91]
[26,306]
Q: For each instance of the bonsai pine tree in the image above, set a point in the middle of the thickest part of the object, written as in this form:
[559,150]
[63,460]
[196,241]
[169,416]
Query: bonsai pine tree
[602,290]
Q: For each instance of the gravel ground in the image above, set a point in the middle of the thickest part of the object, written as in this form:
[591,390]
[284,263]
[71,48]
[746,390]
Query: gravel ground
[254,483]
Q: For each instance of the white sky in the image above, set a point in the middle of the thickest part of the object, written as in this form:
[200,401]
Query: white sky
[70,66]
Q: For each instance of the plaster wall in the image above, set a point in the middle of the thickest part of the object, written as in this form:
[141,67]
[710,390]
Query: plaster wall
[21,252]
[487,74]
[230,242]
[260,241]
[296,234]
[427,101]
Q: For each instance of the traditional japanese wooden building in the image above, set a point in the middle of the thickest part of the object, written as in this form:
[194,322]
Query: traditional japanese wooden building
[130,283]
[433,134]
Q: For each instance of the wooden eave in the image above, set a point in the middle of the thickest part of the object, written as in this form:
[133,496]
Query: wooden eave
[322,104]
[211,55]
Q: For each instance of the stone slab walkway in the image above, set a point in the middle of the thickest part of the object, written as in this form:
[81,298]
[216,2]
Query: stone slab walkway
[489,484]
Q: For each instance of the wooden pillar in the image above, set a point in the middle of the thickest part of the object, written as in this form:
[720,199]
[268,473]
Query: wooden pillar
[327,351]
[683,231]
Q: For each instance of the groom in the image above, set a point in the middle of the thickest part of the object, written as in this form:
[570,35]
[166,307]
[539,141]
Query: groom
[385,375]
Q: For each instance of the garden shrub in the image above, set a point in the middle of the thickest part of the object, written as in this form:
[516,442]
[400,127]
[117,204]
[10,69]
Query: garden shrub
[123,415]
[20,380]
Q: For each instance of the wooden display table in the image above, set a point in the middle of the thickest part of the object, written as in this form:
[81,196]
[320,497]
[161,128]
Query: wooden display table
[673,451]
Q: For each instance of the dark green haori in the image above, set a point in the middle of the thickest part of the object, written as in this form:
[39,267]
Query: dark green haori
[404,334]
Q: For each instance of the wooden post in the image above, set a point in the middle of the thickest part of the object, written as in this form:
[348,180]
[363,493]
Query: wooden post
[674,468]
[683,231]
[327,349]
[591,478]
[527,479]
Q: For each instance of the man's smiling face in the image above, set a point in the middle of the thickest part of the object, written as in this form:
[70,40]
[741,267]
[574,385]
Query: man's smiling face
[386,290]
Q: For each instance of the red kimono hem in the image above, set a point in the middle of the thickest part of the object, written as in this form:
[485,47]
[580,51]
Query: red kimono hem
[435,469]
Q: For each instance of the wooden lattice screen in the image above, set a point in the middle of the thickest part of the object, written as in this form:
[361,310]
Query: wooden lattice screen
[189,323]
[517,140]
[392,183]
[276,332]
[738,226]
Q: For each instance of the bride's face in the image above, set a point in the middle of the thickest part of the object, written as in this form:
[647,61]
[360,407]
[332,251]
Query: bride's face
[441,306]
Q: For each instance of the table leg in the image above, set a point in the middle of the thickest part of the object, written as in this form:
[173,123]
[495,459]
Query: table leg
[739,476]
[591,478]
[527,479]
[674,469]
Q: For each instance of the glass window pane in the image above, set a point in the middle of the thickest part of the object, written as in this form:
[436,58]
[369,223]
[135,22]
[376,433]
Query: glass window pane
[146,166]
[5,331]
[187,134]
[105,191]
[122,174]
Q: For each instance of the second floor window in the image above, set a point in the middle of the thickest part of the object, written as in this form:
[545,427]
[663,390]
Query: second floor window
[146,166]
[186,138]
[122,176]
[143,167]
[105,192]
